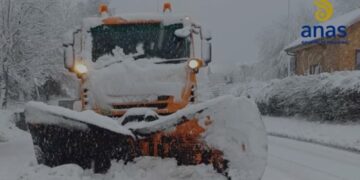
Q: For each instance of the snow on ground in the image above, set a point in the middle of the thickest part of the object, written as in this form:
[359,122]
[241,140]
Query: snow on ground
[16,153]
[17,162]
[342,135]
[8,130]
[144,168]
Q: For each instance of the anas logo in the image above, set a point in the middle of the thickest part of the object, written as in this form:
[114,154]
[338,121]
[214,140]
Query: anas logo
[325,10]
[324,33]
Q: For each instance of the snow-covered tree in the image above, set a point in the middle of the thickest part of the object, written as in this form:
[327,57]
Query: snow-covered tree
[274,62]
[15,50]
[31,33]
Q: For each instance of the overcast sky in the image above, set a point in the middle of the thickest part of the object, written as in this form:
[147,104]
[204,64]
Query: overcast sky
[234,24]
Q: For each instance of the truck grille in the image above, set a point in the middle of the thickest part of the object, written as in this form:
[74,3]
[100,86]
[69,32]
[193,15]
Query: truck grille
[161,104]
[148,105]
[134,99]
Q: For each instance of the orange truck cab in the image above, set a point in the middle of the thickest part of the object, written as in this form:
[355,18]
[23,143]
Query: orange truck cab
[170,42]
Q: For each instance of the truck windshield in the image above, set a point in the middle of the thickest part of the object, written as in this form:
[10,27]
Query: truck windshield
[158,40]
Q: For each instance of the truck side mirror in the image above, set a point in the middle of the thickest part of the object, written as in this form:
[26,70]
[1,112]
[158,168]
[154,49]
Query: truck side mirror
[207,48]
[207,52]
[71,43]
[69,56]
[183,33]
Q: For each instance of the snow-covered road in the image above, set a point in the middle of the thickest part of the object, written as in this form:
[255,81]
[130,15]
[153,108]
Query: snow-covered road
[293,160]
[288,160]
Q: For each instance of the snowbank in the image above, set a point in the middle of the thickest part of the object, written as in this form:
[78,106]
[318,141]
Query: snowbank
[237,122]
[326,96]
[8,129]
[16,149]
[143,168]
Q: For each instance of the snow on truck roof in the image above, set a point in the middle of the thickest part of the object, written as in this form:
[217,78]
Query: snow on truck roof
[164,18]
[174,18]
[347,20]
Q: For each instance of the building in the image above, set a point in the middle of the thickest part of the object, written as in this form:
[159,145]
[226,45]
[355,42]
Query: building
[317,58]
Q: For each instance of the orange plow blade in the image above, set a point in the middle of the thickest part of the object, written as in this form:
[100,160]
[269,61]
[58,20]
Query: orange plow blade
[226,133]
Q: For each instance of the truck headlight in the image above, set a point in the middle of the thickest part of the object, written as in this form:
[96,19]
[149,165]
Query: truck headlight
[194,64]
[80,68]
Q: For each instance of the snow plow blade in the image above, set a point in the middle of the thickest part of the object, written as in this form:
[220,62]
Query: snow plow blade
[226,132]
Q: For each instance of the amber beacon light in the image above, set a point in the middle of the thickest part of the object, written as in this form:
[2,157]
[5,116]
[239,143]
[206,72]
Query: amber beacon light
[167,7]
[103,8]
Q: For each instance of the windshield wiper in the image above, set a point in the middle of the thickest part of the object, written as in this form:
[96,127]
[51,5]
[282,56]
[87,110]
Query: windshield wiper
[173,61]
[142,57]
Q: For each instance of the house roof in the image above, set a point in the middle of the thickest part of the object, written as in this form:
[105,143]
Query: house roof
[347,20]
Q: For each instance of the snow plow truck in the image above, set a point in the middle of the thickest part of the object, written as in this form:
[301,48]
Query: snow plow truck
[138,97]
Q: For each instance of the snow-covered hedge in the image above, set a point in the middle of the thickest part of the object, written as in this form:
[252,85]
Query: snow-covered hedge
[333,96]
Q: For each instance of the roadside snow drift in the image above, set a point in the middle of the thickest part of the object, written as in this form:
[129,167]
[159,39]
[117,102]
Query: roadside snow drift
[325,96]
[8,129]
[328,96]
[239,132]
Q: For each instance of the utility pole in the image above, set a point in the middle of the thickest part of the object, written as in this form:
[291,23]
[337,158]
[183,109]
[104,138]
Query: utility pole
[158,6]
[289,37]
[5,68]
